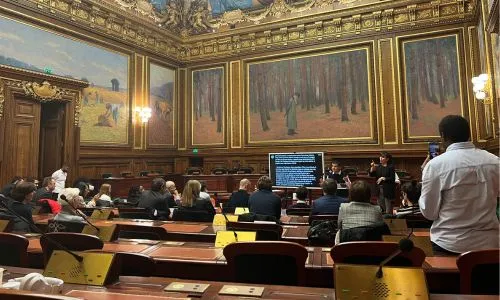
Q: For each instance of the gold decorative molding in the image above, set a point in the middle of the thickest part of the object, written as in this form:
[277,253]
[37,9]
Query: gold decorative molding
[2,98]
[44,92]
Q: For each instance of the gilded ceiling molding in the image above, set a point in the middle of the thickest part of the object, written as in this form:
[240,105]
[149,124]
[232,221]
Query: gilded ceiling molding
[44,92]
[328,29]
[142,7]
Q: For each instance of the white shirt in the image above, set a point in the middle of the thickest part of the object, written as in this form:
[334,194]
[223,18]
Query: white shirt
[459,193]
[60,178]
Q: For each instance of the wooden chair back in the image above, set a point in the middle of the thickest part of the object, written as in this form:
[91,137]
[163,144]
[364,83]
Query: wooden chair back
[64,226]
[265,231]
[265,262]
[72,241]
[323,218]
[374,252]
[479,272]
[13,250]
[298,211]
[130,231]
[134,213]
[189,215]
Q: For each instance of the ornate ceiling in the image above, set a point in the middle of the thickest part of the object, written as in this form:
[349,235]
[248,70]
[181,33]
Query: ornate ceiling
[188,30]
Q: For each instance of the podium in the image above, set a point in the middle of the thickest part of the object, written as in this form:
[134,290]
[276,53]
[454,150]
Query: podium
[360,282]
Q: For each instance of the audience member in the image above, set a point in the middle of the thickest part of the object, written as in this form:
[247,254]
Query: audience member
[176,197]
[191,201]
[459,192]
[60,178]
[21,196]
[335,172]
[46,191]
[386,175]
[358,212]
[103,198]
[240,198]
[263,201]
[84,189]
[301,194]
[156,199]
[329,203]
[410,193]
[134,194]
[6,189]
[70,199]
[204,191]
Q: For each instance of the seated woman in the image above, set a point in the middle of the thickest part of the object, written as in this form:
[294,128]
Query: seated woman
[358,212]
[103,198]
[193,208]
[410,192]
[83,188]
[301,193]
[21,196]
[70,199]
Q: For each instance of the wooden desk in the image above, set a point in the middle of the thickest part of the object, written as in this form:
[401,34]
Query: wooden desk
[152,288]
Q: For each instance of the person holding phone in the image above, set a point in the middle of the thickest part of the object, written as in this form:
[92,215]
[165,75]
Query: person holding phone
[386,176]
[433,152]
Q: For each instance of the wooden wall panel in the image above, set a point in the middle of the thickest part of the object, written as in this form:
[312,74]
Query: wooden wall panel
[182,115]
[387,99]
[236,104]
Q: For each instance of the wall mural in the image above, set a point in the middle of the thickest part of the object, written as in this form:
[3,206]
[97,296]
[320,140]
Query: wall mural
[432,76]
[495,47]
[105,113]
[322,97]
[162,103]
[208,107]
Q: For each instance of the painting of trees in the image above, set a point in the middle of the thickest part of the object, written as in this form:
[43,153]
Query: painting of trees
[432,83]
[332,96]
[208,106]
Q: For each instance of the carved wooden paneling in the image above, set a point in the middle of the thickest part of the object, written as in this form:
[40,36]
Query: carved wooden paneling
[236,104]
[387,100]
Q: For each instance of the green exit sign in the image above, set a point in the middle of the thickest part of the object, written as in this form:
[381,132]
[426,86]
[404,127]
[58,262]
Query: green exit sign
[47,70]
[195,150]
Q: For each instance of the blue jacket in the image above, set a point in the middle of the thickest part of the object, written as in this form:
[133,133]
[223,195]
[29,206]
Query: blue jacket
[264,202]
[327,205]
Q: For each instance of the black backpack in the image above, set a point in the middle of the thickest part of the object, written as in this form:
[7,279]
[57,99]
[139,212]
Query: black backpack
[322,233]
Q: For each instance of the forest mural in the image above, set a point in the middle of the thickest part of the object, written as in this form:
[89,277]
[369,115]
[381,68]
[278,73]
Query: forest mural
[162,103]
[432,78]
[105,115]
[208,106]
[321,97]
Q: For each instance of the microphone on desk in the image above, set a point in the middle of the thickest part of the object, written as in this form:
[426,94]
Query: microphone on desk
[35,228]
[405,245]
[227,221]
[63,197]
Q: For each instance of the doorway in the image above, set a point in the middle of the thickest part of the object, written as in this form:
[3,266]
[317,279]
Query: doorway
[51,138]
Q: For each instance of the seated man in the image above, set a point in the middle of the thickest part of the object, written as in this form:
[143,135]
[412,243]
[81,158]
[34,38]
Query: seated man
[459,192]
[335,172]
[157,199]
[263,201]
[46,191]
[240,198]
[329,203]
[176,197]
[301,193]
[410,192]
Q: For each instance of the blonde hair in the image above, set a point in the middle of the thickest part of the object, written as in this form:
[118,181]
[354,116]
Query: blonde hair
[191,193]
[72,196]
[105,189]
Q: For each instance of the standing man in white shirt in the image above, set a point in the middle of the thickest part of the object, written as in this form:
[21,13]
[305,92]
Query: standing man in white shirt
[60,177]
[459,192]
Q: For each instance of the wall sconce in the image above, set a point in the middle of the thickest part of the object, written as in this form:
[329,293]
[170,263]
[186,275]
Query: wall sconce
[143,113]
[481,86]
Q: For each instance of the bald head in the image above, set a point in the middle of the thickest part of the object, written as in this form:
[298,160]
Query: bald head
[170,185]
[245,184]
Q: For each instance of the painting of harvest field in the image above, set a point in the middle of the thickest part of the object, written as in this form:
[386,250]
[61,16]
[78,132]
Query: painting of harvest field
[432,79]
[310,98]
[105,103]
[162,104]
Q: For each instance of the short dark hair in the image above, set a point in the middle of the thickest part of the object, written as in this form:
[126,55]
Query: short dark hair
[335,162]
[360,191]
[329,186]
[386,155]
[22,189]
[301,192]
[158,184]
[413,190]
[455,129]
[265,183]
[82,186]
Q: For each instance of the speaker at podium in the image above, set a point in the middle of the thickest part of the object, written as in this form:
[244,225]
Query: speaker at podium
[361,282]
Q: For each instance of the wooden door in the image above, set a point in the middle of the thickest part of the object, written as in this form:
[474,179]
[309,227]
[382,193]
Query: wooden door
[51,138]
[22,131]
